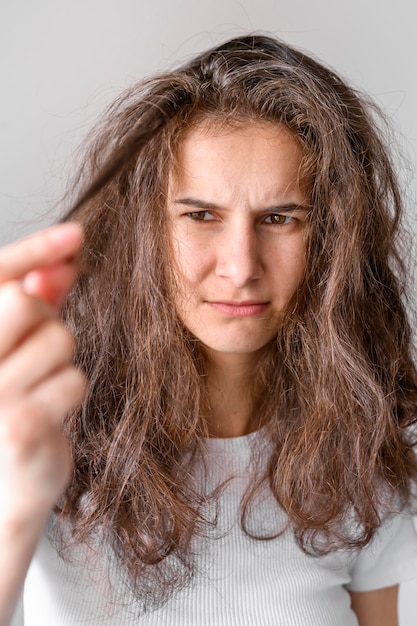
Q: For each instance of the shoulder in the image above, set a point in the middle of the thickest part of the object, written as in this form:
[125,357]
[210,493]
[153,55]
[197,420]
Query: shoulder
[390,558]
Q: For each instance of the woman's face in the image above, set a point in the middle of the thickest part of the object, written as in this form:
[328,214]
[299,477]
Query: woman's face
[237,214]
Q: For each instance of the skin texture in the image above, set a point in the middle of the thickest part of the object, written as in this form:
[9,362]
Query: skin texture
[376,608]
[38,385]
[237,214]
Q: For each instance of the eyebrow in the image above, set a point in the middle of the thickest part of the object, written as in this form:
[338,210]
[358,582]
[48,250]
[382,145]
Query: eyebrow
[211,206]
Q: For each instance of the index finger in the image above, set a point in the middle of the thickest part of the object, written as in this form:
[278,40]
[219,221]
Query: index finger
[48,247]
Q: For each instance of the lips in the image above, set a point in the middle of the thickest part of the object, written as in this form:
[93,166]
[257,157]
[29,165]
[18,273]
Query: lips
[239,309]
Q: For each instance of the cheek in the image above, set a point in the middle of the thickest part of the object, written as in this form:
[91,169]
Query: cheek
[187,272]
[191,262]
[301,267]
[292,264]
[188,276]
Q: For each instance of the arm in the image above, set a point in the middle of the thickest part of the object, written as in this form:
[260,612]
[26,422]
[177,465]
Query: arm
[38,386]
[376,608]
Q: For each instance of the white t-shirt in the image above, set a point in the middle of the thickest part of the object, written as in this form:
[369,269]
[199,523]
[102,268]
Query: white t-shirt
[241,581]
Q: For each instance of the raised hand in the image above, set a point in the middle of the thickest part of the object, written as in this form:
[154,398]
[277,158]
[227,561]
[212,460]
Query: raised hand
[38,386]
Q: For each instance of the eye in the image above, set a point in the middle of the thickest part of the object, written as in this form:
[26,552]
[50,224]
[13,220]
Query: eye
[278,220]
[200,216]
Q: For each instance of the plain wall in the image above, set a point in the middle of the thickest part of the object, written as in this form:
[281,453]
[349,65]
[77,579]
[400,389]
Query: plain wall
[61,62]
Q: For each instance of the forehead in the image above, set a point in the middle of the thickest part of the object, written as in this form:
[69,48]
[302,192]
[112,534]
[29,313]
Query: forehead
[232,156]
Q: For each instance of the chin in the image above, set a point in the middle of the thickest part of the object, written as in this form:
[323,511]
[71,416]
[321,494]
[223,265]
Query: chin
[236,348]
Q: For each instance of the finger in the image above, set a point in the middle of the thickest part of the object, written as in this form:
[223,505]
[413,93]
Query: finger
[49,247]
[51,284]
[20,314]
[31,422]
[56,396]
[34,454]
[35,460]
[32,479]
[45,351]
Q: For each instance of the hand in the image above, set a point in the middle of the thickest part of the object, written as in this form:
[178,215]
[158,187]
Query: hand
[38,386]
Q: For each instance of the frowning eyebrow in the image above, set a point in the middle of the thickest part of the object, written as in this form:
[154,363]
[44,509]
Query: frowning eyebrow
[197,203]
[211,206]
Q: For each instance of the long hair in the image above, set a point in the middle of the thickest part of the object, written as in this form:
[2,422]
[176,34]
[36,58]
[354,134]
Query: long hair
[340,383]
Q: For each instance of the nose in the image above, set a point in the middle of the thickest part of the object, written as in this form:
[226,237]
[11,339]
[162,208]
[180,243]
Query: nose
[239,256]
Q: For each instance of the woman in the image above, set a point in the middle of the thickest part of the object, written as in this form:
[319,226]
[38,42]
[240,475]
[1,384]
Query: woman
[244,451]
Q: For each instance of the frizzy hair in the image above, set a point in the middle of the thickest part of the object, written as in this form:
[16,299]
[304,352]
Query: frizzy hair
[339,381]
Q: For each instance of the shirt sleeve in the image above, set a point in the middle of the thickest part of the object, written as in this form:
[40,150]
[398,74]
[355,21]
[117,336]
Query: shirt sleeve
[390,558]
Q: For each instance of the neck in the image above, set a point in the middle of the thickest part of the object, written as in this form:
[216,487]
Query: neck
[231,401]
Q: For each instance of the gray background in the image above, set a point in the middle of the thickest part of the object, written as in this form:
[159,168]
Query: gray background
[61,62]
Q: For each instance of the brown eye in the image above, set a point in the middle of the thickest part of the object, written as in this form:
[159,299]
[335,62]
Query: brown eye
[200,216]
[278,220]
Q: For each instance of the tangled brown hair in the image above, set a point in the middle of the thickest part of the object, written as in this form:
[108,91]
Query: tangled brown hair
[340,383]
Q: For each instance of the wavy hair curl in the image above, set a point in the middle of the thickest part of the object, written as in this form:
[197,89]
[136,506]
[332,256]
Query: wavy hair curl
[340,379]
